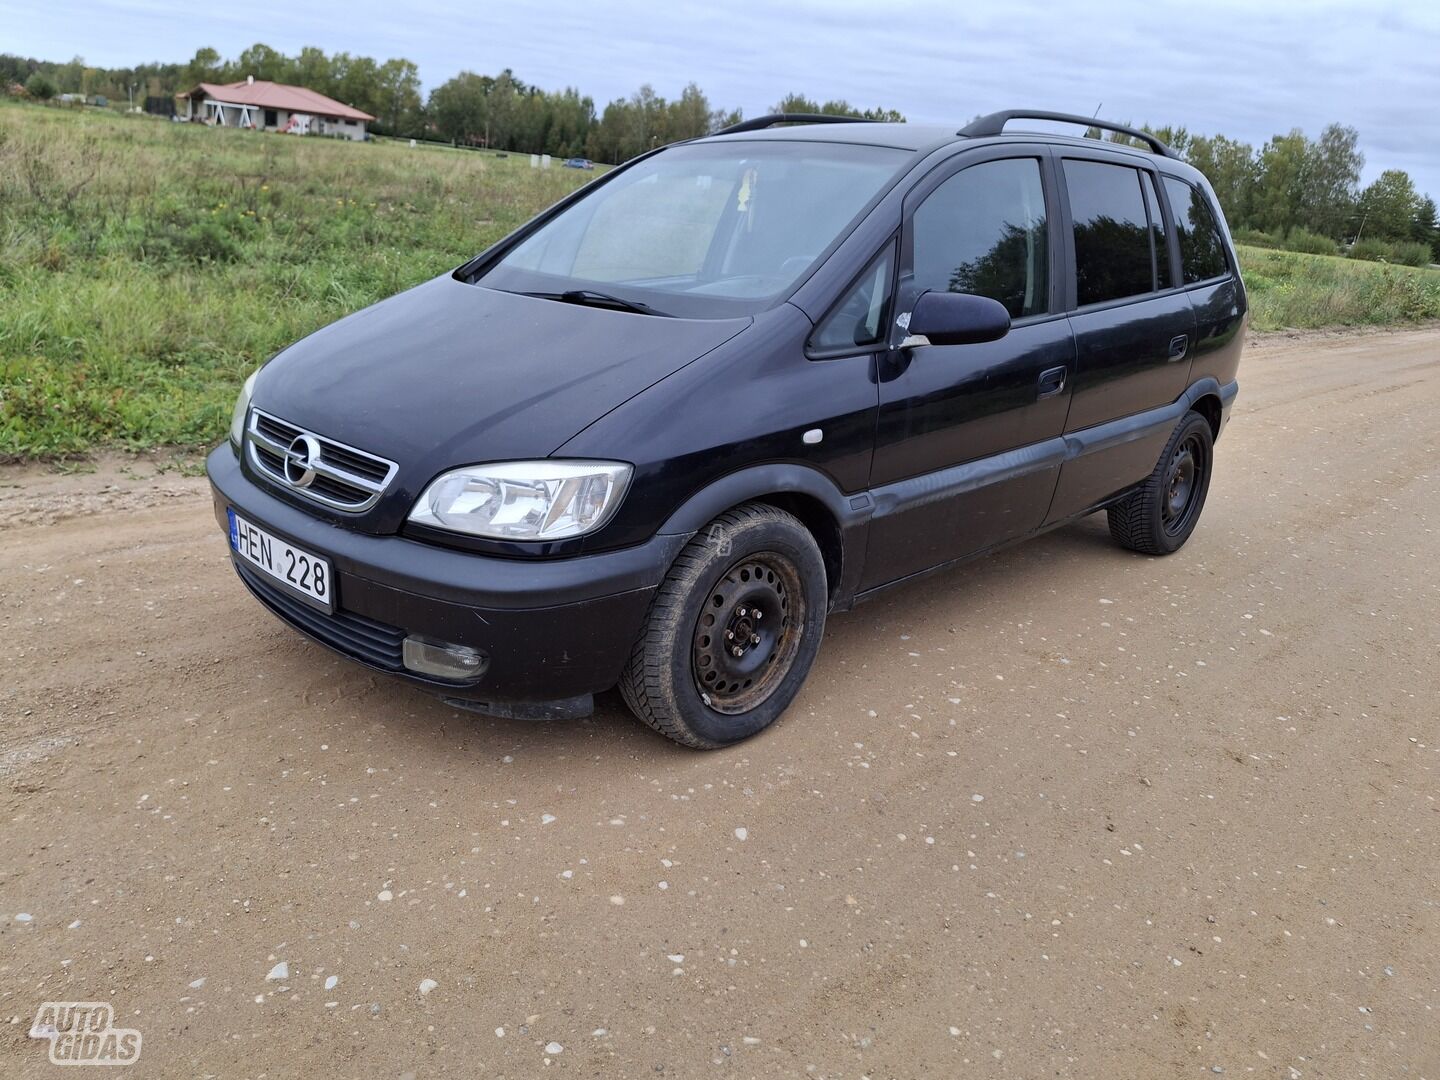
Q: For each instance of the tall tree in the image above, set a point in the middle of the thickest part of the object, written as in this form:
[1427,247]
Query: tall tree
[1280,191]
[398,96]
[502,110]
[457,107]
[689,115]
[1331,180]
[1425,229]
[723,118]
[70,78]
[263,62]
[1233,171]
[795,103]
[799,103]
[1177,138]
[312,68]
[204,66]
[359,84]
[1389,206]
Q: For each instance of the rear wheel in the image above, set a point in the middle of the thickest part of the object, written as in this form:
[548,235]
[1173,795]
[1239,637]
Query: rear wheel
[732,631]
[1159,516]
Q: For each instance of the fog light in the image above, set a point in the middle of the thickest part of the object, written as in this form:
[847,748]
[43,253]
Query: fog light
[442,660]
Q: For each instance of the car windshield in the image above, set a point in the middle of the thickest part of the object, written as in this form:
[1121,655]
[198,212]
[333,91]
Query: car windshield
[702,230]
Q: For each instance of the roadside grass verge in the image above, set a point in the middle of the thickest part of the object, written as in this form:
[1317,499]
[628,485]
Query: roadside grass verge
[1291,290]
[147,267]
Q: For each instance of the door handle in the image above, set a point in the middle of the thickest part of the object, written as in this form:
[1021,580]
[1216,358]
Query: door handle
[1052,382]
[1179,346]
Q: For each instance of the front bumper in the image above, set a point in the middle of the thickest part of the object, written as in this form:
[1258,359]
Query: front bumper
[550,629]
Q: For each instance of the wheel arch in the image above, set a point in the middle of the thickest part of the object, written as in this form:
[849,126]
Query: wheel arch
[1208,398]
[1208,405]
[834,519]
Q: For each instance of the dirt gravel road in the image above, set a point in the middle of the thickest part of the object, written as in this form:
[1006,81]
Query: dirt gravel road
[1065,812]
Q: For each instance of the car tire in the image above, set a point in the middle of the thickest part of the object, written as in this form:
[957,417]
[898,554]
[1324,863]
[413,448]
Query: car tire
[1159,516]
[685,677]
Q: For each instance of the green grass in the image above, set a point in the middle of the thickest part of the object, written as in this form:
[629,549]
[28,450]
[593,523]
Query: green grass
[147,267]
[1291,290]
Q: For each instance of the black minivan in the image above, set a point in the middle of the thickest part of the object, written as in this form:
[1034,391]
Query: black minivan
[652,438]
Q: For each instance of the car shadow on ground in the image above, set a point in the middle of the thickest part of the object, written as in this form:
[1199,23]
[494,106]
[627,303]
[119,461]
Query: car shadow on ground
[1025,572]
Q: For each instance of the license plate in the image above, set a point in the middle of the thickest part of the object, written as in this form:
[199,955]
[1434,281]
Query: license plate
[306,574]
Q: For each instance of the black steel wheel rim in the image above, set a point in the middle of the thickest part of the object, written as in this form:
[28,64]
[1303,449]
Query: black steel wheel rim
[747,634]
[1183,480]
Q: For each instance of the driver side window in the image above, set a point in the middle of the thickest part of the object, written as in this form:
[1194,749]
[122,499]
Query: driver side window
[984,231]
[860,318]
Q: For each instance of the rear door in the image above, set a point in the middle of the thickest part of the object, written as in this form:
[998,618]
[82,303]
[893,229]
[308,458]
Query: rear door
[967,446]
[1134,326]
[1210,278]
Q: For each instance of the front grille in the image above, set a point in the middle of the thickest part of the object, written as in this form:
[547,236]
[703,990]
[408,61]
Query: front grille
[364,639]
[343,477]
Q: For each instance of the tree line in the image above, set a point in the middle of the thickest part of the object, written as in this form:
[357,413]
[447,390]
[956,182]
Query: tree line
[498,111]
[1291,191]
[1295,191]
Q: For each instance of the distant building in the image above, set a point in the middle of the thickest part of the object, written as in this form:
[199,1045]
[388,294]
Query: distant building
[271,106]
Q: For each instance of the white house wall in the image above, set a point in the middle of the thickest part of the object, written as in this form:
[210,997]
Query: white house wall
[231,113]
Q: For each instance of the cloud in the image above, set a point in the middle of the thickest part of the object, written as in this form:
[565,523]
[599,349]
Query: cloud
[1232,67]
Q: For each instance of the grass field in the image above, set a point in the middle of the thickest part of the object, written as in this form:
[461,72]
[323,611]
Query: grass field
[1292,290]
[147,267]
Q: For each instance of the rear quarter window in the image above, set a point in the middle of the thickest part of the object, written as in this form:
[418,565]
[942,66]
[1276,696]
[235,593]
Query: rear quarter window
[1202,248]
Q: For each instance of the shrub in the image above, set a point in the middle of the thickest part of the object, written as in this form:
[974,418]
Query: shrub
[39,87]
[1399,252]
[1371,250]
[206,241]
[1410,253]
[1309,242]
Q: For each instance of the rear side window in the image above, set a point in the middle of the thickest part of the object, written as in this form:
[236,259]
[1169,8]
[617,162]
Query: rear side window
[984,231]
[1113,257]
[1202,250]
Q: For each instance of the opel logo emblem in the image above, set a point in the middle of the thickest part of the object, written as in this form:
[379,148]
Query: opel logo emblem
[300,458]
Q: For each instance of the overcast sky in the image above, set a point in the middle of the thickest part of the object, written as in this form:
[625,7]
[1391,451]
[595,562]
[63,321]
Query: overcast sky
[1248,70]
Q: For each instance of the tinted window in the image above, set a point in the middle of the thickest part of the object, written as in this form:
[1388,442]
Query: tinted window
[1202,251]
[1112,232]
[983,231]
[860,317]
[1159,238]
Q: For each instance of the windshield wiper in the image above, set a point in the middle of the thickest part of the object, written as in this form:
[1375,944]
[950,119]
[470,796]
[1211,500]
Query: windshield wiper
[593,298]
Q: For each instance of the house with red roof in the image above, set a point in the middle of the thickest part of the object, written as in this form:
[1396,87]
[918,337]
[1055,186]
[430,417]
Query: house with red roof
[272,106]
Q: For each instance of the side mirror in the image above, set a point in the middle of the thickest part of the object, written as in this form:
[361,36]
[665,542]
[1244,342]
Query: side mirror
[946,318]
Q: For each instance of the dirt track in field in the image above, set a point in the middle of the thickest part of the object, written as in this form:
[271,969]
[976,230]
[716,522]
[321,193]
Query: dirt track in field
[1066,812]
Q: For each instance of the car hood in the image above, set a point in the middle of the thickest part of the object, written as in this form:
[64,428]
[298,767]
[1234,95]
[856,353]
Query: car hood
[451,374]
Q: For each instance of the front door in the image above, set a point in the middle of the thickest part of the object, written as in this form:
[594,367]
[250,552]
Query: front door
[968,445]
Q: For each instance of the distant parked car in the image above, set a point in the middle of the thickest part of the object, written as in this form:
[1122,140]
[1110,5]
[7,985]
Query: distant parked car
[579,163]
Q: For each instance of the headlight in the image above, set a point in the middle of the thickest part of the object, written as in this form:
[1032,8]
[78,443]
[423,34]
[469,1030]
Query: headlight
[524,500]
[242,406]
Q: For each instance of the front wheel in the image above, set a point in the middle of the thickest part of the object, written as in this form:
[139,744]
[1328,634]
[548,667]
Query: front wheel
[732,631]
[1159,516]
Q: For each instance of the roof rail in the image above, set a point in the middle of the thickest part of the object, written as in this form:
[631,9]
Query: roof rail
[762,122]
[994,124]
